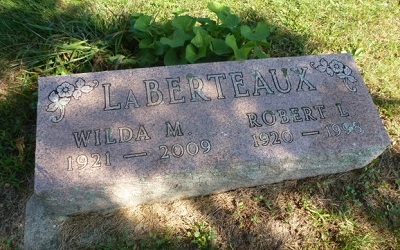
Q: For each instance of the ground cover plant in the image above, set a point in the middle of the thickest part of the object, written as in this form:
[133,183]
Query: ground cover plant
[355,210]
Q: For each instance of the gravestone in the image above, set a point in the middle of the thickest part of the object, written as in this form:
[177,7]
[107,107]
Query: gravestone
[122,138]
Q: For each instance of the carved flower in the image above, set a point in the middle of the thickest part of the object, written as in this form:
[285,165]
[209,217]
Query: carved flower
[65,89]
[345,73]
[336,66]
[338,69]
[57,102]
[323,67]
[81,87]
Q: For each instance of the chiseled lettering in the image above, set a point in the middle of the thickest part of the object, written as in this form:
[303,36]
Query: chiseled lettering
[131,99]
[142,134]
[301,72]
[237,83]
[283,115]
[260,83]
[107,102]
[109,137]
[276,81]
[308,114]
[320,109]
[173,87]
[154,95]
[97,137]
[341,111]
[264,117]
[217,80]
[196,90]
[81,138]
[252,117]
[125,134]
[173,130]
[295,115]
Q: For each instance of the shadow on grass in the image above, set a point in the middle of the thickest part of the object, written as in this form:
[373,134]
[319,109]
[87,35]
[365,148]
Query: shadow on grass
[390,107]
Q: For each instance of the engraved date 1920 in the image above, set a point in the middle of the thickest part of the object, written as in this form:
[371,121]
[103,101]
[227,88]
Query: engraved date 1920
[191,148]
[94,161]
[272,138]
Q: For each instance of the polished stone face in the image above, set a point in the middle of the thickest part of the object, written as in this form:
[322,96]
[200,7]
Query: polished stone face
[119,138]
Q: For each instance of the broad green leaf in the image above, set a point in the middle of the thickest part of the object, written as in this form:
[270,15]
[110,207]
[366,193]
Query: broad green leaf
[143,23]
[185,23]
[219,47]
[260,33]
[193,54]
[217,8]
[262,30]
[206,21]
[146,44]
[258,53]
[147,57]
[177,39]
[231,21]
[224,14]
[172,58]
[230,40]
[242,53]
[246,32]
[173,43]
[202,38]
[159,48]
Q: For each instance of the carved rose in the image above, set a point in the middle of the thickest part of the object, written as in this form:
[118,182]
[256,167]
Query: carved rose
[63,93]
[336,66]
[65,89]
[338,69]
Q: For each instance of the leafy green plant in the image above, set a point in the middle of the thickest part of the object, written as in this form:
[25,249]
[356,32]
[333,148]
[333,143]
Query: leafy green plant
[187,39]
[265,202]
[202,236]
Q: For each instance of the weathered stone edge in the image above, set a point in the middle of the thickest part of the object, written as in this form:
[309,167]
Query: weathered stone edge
[65,202]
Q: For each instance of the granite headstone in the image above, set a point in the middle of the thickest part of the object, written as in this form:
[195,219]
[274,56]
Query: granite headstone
[122,138]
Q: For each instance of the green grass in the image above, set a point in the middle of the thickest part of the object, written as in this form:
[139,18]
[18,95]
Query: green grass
[361,211]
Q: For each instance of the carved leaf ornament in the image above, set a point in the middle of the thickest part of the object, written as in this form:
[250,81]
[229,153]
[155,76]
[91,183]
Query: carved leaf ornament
[338,69]
[63,94]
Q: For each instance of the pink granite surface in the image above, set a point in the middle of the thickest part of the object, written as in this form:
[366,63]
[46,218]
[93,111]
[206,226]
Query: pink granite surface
[119,138]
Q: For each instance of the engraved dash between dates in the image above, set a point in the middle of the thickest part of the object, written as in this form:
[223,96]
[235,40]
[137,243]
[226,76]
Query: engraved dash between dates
[308,133]
[134,155]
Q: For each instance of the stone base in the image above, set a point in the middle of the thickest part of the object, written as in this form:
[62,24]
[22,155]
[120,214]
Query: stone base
[41,225]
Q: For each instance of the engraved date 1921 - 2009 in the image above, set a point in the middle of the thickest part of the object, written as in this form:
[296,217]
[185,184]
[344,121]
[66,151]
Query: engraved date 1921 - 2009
[177,150]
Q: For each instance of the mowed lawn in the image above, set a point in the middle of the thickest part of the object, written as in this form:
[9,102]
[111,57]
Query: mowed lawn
[355,210]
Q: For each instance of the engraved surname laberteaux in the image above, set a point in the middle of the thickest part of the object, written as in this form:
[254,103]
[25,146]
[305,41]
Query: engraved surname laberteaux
[283,116]
[108,105]
[98,137]
[192,88]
